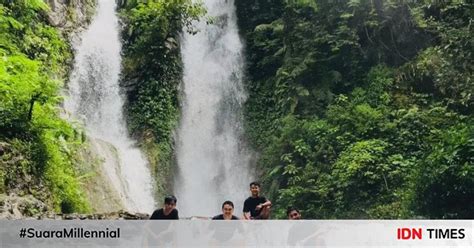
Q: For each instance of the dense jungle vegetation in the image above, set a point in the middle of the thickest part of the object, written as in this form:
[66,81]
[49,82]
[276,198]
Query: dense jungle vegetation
[356,108]
[362,109]
[37,147]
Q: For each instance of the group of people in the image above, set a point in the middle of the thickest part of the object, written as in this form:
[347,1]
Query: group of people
[256,207]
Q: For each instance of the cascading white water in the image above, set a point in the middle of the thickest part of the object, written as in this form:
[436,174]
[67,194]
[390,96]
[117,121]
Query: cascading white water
[94,98]
[212,159]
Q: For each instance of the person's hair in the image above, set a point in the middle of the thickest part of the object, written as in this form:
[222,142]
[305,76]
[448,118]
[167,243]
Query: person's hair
[291,209]
[228,203]
[255,183]
[170,198]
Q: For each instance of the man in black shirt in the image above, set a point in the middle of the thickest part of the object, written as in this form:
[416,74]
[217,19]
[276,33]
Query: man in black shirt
[227,212]
[168,212]
[256,206]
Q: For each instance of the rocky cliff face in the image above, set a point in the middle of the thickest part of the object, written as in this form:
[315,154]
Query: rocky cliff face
[68,15]
[28,207]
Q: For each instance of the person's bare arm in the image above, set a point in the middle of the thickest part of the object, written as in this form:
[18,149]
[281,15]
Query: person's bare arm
[265,204]
[246,215]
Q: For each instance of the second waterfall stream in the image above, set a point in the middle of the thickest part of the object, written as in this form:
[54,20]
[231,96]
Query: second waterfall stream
[213,160]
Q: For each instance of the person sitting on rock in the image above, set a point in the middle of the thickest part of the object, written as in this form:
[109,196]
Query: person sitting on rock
[256,206]
[168,212]
[227,212]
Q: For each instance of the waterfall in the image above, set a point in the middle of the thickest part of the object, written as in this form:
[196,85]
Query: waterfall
[95,99]
[213,163]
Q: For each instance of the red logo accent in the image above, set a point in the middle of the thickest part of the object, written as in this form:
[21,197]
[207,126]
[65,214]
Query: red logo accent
[409,233]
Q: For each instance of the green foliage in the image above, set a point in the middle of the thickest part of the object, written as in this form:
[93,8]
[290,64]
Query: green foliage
[152,66]
[367,167]
[361,109]
[32,57]
[60,173]
[444,180]
[447,66]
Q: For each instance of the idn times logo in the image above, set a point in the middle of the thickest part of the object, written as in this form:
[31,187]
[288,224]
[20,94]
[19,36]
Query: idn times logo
[406,233]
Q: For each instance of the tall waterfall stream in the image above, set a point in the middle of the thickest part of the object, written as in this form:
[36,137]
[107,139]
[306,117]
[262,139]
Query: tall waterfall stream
[95,99]
[213,162]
